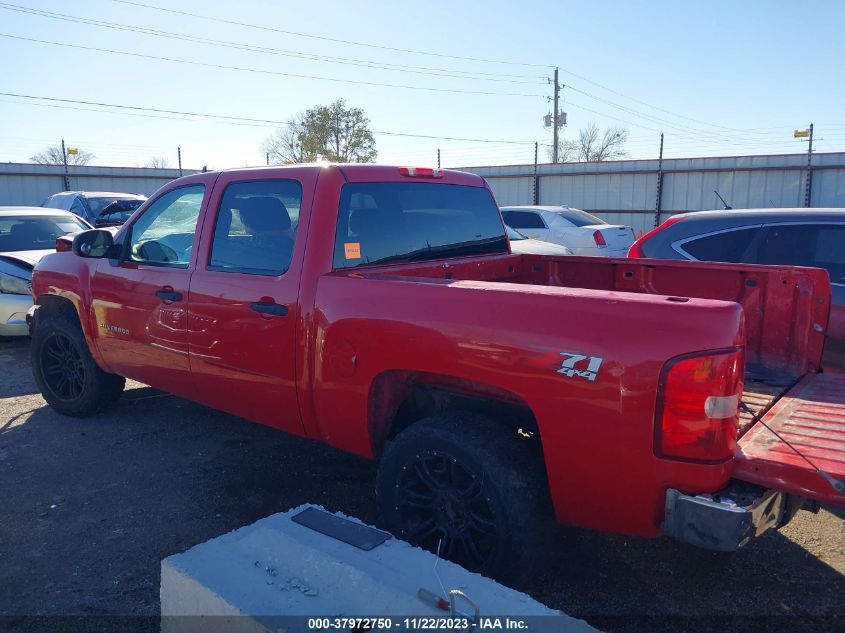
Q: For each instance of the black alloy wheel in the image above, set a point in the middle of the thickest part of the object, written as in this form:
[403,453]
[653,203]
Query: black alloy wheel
[62,367]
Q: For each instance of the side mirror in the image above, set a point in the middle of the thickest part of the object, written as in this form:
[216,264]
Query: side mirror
[93,243]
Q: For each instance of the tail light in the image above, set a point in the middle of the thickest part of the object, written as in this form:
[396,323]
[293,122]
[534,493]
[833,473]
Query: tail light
[698,406]
[637,250]
[64,243]
[421,172]
[599,238]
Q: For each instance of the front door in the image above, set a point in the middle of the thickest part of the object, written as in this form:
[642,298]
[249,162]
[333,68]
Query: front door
[243,309]
[140,301]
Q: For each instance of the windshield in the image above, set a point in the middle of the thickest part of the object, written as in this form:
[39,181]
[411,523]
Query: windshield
[380,222]
[514,235]
[37,232]
[579,218]
[98,205]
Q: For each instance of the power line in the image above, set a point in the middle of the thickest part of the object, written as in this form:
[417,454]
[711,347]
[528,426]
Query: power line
[449,73]
[264,72]
[242,120]
[330,39]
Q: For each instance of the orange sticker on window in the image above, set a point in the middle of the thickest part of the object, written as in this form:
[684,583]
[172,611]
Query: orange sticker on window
[352,250]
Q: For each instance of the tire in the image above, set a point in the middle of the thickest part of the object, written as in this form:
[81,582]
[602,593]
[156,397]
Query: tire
[473,488]
[68,376]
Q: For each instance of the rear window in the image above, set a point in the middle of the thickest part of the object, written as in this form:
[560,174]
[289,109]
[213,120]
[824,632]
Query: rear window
[729,246]
[98,205]
[381,222]
[32,233]
[579,218]
[523,219]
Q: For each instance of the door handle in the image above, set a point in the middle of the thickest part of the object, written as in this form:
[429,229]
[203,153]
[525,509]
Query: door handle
[169,295]
[269,308]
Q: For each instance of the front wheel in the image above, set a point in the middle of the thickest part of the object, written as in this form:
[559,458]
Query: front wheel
[68,376]
[469,488]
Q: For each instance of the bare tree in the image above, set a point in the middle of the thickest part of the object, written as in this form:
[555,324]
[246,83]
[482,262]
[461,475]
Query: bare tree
[158,162]
[287,145]
[594,146]
[53,156]
[334,132]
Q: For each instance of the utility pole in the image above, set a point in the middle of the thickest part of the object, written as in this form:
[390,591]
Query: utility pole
[808,185]
[536,195]
[268,159]
[556,118]
[438,158]
[179,155]
[659,197]
[64,159]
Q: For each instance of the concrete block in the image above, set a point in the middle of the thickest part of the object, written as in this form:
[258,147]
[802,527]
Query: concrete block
[278,568]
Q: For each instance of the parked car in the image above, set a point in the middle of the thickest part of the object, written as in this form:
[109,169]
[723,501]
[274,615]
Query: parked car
[379,310]
[99,208]
[522,244]
[797,237]
[581,232]
[26,235]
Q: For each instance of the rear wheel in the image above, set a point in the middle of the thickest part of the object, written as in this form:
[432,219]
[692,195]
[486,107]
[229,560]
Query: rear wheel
[470,488]
[68,376]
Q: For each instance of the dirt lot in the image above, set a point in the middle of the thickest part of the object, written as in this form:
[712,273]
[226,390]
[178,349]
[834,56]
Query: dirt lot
[88,508]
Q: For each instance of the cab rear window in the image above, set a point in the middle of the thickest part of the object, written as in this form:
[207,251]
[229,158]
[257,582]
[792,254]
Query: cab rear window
[402,222]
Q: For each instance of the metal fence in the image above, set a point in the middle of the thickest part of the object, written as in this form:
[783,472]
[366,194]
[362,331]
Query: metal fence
[627,192]
[29,185]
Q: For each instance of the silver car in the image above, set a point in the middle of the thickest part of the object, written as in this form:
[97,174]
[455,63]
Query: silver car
[527,246]
[26,235]
[581,232]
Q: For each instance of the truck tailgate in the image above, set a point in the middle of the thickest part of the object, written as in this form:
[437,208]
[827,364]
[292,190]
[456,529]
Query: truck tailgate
[811,417]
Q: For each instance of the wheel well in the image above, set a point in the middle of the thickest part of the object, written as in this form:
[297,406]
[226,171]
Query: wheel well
[49,305]
[400,398]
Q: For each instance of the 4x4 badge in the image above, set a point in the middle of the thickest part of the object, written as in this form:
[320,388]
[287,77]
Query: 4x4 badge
[573,365]
[569,364]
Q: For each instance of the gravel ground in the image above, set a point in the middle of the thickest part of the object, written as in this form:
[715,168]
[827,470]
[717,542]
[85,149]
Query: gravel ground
[88,508]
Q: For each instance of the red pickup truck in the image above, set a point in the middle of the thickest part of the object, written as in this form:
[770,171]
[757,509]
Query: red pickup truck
[380,310]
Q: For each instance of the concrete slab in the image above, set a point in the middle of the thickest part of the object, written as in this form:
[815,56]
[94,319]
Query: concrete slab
[275,568]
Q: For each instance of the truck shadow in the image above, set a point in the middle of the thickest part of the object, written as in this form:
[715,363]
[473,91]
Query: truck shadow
[97,503]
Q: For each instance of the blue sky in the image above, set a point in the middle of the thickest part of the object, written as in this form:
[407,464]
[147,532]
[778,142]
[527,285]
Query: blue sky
[717,77]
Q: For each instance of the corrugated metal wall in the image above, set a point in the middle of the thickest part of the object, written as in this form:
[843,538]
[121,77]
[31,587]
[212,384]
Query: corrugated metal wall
[625,192]
[29,185]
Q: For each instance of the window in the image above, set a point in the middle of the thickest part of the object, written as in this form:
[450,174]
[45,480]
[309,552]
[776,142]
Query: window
[578,217]
[37,232]
[381,222]
[523,220]
[164,234]
[98,205]
[728,246]
[830,252]
[77,209]
[256,227]
[816,245]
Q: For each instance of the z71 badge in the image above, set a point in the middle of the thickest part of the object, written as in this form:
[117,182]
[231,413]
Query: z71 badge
[570,364]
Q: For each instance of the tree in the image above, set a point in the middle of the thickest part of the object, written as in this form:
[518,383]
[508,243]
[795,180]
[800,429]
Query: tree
[334,132]
[158,162]
[287,145]
[53,156]
[593,146]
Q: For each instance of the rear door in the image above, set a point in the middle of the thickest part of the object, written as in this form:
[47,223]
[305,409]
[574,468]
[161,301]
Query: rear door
[243,312]
[811,420]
